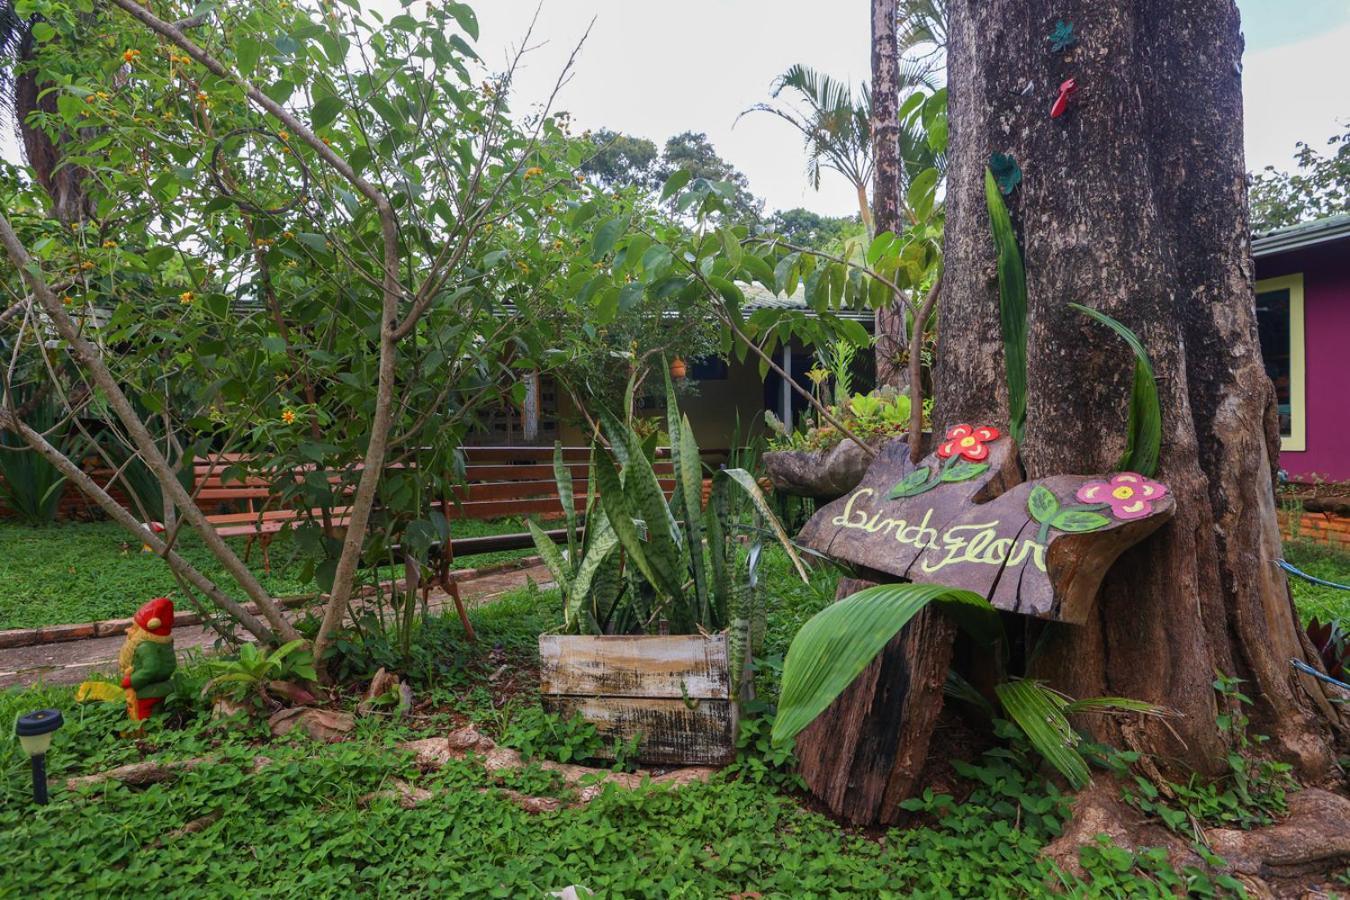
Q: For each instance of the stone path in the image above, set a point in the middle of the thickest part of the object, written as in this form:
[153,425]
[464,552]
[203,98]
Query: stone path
[70,662]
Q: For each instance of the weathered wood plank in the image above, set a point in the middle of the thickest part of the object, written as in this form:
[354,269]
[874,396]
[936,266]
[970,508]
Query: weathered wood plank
[670,666]
[671,732]
[861,756]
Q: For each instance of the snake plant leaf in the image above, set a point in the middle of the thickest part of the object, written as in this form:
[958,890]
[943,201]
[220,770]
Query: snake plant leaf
[617,511]
[562,477]
[1012,306]
[1143,439]
[750,488]
[838,642]
[647,501]
[594,580]
[552,557]
[1040,713]
[689,471]
[720,556]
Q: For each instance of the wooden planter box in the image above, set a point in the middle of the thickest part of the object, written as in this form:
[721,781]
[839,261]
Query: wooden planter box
[672,690]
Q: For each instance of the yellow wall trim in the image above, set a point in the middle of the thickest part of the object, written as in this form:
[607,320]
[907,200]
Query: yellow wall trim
[1297,439]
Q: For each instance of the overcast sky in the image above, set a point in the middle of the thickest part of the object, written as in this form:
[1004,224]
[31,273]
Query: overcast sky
[655,70]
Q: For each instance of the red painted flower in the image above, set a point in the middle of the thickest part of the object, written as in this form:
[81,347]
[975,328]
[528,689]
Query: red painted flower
[969,442]
[1129,494]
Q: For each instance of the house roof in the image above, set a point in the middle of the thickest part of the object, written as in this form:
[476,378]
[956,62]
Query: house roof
[758,297]
[1304,234]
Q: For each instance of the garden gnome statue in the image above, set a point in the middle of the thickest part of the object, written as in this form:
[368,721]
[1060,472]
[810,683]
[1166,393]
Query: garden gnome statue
[147,660]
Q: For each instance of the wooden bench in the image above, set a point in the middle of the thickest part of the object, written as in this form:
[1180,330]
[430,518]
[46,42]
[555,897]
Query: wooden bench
[499,482]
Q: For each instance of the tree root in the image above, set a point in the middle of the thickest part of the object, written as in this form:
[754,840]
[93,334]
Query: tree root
[1278,860]
[434,753]
[151,772]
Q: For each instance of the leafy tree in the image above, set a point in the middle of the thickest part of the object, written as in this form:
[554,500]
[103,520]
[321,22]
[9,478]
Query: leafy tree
[811,229]
[834,125]
[1320,187]
[621,160]
[325,259]
[692,152]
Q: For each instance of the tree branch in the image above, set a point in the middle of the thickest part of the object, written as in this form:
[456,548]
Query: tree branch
[916,368]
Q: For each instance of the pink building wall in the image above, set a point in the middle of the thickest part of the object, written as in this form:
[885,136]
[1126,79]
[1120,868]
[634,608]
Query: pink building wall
[1326,328]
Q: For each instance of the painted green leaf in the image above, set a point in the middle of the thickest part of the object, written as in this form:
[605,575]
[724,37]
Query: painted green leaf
[1007,173]
[1076,520]
[964,471]
[914,483]
[1042,504]
[1062,37]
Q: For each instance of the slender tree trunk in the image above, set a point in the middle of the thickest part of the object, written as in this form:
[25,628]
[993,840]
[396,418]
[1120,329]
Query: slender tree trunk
[1134,202]
[891,339]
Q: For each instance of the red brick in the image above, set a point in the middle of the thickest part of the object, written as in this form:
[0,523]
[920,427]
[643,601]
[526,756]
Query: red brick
[52,634]
[16,637]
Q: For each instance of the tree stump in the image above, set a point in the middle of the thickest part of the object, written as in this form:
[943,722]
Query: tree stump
[862,755]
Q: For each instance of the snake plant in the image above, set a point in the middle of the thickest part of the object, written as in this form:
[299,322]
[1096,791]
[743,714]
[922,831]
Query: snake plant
[645,562]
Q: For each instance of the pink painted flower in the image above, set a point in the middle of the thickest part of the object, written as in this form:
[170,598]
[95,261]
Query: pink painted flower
[967,441]
[1129,494]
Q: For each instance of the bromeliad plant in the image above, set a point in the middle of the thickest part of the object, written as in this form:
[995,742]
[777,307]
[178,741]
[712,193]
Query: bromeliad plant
[644,562]
[873,417]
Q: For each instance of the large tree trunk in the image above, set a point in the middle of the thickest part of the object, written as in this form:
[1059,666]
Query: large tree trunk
[890,321]
[1134,202]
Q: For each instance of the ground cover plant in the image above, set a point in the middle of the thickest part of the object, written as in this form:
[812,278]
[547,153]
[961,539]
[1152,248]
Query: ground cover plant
[299,824]
[82,572]
[1318,601]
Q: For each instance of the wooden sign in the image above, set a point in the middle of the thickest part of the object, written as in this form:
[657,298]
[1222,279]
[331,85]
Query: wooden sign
[963,517]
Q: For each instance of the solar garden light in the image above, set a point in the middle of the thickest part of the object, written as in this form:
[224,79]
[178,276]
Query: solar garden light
[35,732]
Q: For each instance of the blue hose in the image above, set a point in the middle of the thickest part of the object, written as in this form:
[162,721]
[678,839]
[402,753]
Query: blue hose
[1304,667]
[1313,578]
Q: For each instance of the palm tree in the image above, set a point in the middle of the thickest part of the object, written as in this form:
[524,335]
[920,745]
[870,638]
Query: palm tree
[835,125]
[21,94]
[921,33]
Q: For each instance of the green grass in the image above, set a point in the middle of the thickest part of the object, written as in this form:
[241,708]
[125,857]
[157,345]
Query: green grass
[1329,564]
[82,572]
[298,826]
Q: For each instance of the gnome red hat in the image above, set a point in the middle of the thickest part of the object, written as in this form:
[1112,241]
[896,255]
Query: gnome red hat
[156,616]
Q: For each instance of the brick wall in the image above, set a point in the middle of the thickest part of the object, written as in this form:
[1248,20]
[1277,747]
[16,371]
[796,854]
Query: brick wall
[1320,528]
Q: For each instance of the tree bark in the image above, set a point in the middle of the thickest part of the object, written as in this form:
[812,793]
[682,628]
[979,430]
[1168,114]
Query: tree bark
[1134,202]
[890,322]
